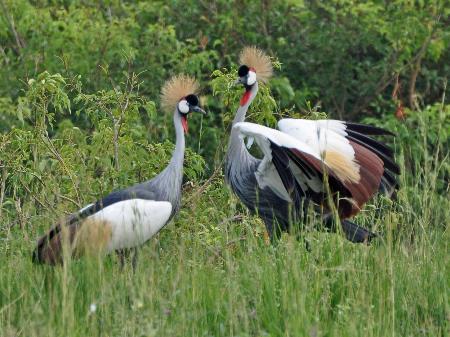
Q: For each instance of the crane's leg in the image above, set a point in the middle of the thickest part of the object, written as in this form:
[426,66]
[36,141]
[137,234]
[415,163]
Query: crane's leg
[124,254]
[134,258]
[273,229]
[121,255]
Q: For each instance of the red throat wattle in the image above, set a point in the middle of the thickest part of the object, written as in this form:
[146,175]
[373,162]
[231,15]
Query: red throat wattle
[245,97]
[184,123]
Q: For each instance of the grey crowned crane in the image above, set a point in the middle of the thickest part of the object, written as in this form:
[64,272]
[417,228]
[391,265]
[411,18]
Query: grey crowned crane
[127,218]
[298,160]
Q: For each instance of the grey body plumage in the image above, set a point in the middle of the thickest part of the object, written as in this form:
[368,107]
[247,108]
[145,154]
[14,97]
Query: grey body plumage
[240,168]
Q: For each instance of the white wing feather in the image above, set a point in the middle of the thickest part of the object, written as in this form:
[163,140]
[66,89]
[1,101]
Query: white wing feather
[321,135]
[263,134]
[328,138]
[267,175]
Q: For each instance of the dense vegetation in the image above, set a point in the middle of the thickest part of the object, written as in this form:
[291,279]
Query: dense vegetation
[80,117]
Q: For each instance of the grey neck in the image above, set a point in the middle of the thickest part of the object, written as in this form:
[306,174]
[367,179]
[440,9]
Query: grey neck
[237,143]
[176,162]
[167,184]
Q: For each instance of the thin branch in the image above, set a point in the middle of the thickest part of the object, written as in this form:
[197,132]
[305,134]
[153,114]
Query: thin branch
[385,80]
[48,143]
[417,65]
[19,42]
[2,189]
[56,194]
[230,219]
[5,57]
[202,188]
[35,197]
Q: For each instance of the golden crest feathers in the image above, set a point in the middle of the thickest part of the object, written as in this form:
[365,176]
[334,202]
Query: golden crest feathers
[175,89]
[255,58]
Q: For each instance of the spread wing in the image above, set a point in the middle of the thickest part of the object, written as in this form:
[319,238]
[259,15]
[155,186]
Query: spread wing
[301,157]
[354,140]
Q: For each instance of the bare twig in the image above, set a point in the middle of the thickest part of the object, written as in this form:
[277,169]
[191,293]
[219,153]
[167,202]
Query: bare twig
[19,212]
[34,197]
[116,144]
[203,187]
[118,122]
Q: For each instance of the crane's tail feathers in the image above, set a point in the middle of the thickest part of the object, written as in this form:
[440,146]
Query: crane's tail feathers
[355,233]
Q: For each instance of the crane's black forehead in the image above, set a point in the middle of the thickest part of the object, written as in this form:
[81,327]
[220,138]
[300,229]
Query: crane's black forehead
[192,99]
[243,70]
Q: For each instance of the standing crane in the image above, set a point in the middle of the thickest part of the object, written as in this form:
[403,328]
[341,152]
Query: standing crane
[332,164]
[127,218]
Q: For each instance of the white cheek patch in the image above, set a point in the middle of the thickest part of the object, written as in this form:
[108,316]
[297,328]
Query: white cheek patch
[183,106]
[251,79]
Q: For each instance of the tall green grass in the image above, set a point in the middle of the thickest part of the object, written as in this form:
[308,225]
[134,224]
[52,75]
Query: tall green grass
[211,273]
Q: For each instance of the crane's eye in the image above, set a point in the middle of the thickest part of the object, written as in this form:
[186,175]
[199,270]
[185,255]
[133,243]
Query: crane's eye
[243,70]
[192,100]
[183,106]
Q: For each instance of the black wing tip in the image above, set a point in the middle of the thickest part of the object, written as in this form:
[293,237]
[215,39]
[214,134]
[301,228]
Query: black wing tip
[387,188]
[365,140]
[368,129]
[394,168]
[388,159]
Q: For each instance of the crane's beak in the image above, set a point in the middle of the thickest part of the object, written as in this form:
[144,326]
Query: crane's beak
[237,82]
[198,109]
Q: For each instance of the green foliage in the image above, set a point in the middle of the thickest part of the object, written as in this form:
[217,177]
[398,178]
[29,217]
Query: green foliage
[425,150]
[45,97]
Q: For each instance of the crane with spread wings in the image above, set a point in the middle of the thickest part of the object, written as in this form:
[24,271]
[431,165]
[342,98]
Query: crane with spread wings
[304,162]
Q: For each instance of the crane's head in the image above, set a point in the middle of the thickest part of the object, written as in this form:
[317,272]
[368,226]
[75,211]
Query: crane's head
[179,93]
[255,65]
